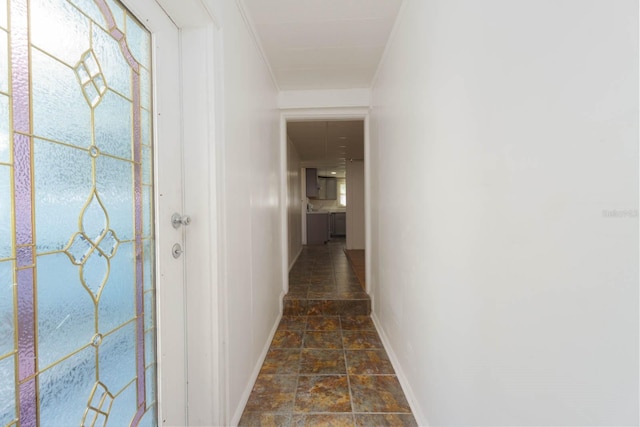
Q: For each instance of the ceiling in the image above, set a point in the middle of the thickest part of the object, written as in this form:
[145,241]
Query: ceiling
[323,44]
[328,145]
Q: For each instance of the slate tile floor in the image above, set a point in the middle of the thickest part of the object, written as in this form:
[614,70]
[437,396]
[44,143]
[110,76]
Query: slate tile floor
[327,369]
[322,282]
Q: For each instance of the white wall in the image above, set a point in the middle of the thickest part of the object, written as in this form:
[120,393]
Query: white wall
[294,202]
[355,205]
[251,203]
[324,98]
[502,131]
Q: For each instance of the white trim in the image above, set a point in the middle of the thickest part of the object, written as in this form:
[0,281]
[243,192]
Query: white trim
[254,375]
[200,24]
[248,20]
[217,139]
[367,206]
[402,378]
[323,114]
[284,214]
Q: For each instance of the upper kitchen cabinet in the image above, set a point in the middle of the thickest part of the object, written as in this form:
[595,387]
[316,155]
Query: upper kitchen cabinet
[313,188]
[321,187]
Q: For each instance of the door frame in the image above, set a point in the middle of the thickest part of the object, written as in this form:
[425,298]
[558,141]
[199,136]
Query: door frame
[339,113]
[203,371]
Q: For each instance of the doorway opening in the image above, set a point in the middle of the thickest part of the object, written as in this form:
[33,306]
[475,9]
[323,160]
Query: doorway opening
[314,145]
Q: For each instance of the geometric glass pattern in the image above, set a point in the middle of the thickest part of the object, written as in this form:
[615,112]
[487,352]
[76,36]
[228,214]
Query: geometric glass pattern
[99,406]
[77,285]
[91,78]
[92,255]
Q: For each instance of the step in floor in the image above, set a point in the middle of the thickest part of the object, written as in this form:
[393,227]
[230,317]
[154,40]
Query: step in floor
[323,283]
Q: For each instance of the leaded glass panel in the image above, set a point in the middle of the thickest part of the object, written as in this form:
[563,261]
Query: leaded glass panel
[115,307]
[138,41]
[117,357]
[7,334]
[4,61]
[68,23]
[4,128]
[114,181]
[7,391]
[77,296]
[145,86]
[91,10]
[113,64]
[65,388]
[63,183]
[123,406]
[113,125]
[3,14]
[65,310]
[55,95]
[6,232]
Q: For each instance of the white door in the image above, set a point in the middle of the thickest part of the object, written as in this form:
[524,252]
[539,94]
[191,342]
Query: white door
[90,175]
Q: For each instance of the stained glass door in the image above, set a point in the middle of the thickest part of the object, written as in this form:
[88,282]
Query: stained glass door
[77,236]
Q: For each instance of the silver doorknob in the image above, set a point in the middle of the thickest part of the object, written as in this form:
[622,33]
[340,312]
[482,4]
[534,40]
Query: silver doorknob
[177,220]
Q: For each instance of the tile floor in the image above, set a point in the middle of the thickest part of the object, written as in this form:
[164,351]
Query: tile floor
[327,370]
[322,282]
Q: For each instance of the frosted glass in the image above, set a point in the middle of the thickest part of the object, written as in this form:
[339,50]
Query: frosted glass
[149,346]
[116,303]
[138,41]
[7,393]
[114,182]
[3,18]
[145,89]
[6,310]
[91,10]
[6,231]
[148,309]
[118,13]
[147,204]
[95,271]
[94,220]
[150,418]
[57,93]
[146,165]
[59,29]
[118,358]
[150,378]
[65,309]
[65,389]
[148,265]
[113,125]
[62,187]
[4,129]
[124,407]
[4,62]
[145,127]
[115,69]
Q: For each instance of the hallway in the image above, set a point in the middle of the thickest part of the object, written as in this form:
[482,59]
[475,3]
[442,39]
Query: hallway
[327,365]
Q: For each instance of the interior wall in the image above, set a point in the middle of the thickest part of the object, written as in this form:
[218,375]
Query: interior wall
[506,144]
[355,205]
[294,202]
[251,200]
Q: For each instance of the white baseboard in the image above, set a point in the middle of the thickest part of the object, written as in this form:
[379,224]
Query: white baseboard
[295,258]
[254,376]
[402,378]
